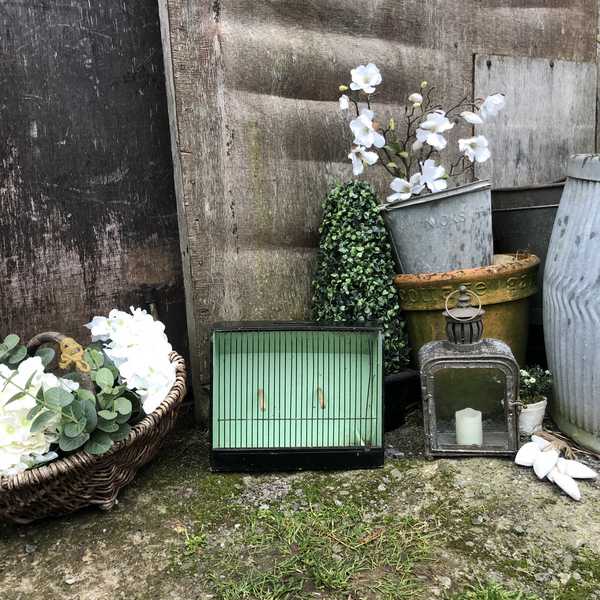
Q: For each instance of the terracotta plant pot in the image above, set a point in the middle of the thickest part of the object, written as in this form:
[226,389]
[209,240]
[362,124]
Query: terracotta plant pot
[531,417]
[504,288]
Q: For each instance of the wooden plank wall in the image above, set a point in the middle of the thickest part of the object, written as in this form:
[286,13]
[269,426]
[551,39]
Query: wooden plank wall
[532,143]
[257,137]
[88,214]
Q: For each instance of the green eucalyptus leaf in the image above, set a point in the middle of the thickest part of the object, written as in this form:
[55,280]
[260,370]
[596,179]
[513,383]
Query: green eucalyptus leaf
[107,415]
[86,395]
[73,430]
[91,417]
[104,378]
[17,355]
[123,406]
[57,397]
[46,354]
[121,433]
[70,443]
[108,426]
[94,358]
[11,341]
[99,443]
[34,411]
[41,421]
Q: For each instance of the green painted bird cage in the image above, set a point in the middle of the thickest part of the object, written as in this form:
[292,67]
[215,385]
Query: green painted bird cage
[289,396]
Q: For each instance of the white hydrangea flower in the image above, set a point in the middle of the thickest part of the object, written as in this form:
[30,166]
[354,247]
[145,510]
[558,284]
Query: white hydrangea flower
[344,102]
[139,348]
[21,449]
[415,98]
[471,117]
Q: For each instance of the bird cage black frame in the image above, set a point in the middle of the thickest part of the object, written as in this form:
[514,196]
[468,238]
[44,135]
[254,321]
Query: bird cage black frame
[296,395]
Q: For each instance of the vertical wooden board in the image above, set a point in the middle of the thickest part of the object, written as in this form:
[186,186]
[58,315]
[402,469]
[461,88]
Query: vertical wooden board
[253,90]
[88,215]
[550,113]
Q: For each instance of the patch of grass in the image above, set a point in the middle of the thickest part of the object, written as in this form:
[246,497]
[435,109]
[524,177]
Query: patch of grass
[587,564]
[339,548]
[492,591]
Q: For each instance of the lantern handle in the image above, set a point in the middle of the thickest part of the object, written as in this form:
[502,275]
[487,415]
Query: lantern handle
[462,289]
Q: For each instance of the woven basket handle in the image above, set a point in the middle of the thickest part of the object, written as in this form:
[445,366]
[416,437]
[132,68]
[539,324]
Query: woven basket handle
[70,354]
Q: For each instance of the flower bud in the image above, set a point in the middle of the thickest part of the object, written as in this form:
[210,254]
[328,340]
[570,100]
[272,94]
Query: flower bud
[423,84]
[416,104]
[403,154]
[343,88]
[392,124]
[392,165]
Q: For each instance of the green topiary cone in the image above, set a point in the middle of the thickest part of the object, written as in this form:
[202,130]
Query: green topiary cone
[355,270]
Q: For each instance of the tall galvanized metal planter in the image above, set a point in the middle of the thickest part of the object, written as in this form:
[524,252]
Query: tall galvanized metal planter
[572,304]
[442,232]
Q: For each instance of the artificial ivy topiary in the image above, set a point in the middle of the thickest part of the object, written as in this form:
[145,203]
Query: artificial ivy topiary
[353,281]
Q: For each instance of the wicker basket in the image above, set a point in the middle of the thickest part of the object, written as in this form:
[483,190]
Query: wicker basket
[83,479]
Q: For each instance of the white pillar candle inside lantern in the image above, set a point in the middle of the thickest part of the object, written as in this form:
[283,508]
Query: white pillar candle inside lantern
[469,429]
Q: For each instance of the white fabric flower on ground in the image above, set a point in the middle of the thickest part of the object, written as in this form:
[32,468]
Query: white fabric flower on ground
[491,106]
[430,131]
[405,189]
[433,176]
[365,78]
[475,148]
[471,117]
[361,157]
[364,133]
[344,102]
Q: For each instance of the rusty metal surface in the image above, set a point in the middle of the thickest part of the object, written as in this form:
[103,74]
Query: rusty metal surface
[504,289]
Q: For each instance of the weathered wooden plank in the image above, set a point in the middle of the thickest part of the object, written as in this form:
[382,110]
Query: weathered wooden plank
[88,215]
[253,91]
[549,115]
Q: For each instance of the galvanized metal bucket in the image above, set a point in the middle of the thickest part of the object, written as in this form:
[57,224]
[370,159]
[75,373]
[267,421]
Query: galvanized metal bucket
[442,232]
[572,304]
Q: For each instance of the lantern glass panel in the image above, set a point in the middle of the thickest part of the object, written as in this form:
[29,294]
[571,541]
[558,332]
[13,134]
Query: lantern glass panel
[482,392]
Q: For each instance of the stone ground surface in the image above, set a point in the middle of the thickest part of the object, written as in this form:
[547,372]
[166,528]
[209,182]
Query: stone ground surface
[414,529]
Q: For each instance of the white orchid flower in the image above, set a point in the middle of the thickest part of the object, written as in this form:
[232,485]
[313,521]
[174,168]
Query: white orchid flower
[364,133]
[433,176]
[471,117]
[344,102]
[415,98]
[417,145]
[430,131]
[361,157]
[491,106]
[475,148]
[405,189]
[365,78]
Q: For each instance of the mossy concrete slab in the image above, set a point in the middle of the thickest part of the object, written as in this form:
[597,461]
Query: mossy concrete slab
[414,529]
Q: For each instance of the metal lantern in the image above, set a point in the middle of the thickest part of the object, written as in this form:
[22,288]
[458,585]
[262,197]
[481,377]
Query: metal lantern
[469,387]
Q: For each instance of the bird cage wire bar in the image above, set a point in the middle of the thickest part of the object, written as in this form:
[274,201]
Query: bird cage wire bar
[296,389]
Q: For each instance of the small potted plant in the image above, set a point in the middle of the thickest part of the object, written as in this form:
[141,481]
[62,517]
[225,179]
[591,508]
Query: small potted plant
[433,228]
[534,388]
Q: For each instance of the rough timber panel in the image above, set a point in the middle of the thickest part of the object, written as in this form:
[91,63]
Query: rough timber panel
[87,207]
[257,137]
